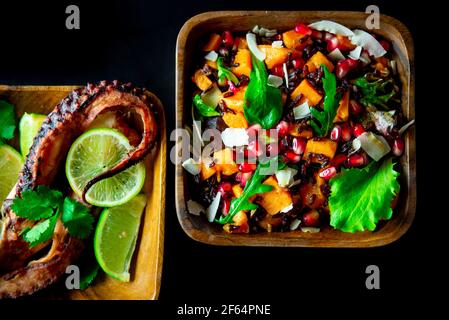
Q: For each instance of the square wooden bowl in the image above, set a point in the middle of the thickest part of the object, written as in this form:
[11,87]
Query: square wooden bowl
[241,21]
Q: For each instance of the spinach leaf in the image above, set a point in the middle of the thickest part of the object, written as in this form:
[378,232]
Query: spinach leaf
[224,72]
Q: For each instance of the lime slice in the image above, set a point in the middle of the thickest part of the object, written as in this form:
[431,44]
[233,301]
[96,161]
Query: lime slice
[11,162]
[116,236]
[28,127]
[94,152]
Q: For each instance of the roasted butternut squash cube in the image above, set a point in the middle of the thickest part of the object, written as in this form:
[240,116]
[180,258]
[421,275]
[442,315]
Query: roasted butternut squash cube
[242,43]
[239,225]
[275,200]
[317,60]
[311,194]
[201,80]
[297,131]
[235,120]
[243,60]
[207,171]
[275,56]
[211,64]
[325,147]
[237,190]
[224,162]
[235,102]
[291,39]
[213,43]
[343,109]
[309,93]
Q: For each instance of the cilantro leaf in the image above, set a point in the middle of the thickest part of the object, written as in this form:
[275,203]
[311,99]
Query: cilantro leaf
[361,197]
[77,218]
[224,72]
[39,204]
[323,121]
[262,103]
[203,108]
[88,275]
[7,121]
[41,232]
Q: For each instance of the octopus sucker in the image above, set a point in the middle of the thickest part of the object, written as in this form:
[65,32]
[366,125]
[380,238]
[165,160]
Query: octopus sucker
[24,270]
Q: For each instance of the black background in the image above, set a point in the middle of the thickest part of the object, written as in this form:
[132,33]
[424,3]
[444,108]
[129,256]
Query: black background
[135,41]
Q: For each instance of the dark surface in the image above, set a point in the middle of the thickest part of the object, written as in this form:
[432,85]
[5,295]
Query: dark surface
[135,41]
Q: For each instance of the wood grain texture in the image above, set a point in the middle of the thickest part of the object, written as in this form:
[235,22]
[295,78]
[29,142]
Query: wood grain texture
[146,267]
[242,21]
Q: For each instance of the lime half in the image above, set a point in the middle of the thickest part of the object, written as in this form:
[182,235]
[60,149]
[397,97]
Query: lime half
[95,152]
[116,236]
[11,162]
[28,127]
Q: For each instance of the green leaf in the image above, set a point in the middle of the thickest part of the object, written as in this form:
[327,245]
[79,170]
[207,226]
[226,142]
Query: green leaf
[77,218]
[41,232]
[88,275]
[361,197]
[224,72]
[323,121]
[39,204]
[375,92]
[7,120]
[263,103]
[203,108]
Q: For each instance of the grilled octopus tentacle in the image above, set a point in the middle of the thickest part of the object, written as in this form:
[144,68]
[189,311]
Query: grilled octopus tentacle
[70,118]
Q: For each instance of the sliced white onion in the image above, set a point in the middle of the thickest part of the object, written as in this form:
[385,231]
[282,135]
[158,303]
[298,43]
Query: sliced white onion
[355,54]
[211,56]
[295,224]
[191,166]
[310,229]
[274,81]
[234,137]
[211,211]
[374,145]
[287,208]
[252,45]
[277,44]
[332,27]
[285,176]
[406,126]
[195,208]
[212,96]
[302,111]
[368,42]
[284,68]
[336,55]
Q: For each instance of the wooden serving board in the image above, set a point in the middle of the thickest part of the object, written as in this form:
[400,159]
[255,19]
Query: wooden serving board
[146,267]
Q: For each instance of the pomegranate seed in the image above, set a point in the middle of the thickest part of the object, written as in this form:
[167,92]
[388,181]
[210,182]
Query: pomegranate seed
[336,133]
[283,144]
[232,86]
[253,149]
[355,107]
[303,29]
[278,71]
[317,34]
[226,206]
[345,132]
[247,167]
[245,178]
[253,130]
[358,129]
[272,149]
[311,219]
[278,37]
[356,160]
[344,66]
[228,39]
[385,44]
[282,128]
[338,160]
[238,177]
[332,44]
[299,145]
[328,173]
[298,63]
[225,188]
[292,157]
[398,147]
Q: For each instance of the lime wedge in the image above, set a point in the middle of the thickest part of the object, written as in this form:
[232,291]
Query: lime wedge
[116,236]
[28,127]
[11,162]
[97,151]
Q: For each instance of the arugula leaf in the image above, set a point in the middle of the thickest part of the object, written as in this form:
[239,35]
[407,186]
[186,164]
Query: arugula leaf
[262,103]
[375,93]
[323,121]
[253,186]
[361,197]
[77,218]
[41,232]
[203,108]
[7,121]
[39,204]
[224,72]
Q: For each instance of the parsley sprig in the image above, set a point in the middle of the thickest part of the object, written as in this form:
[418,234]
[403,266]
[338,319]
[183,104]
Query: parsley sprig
[48,205]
